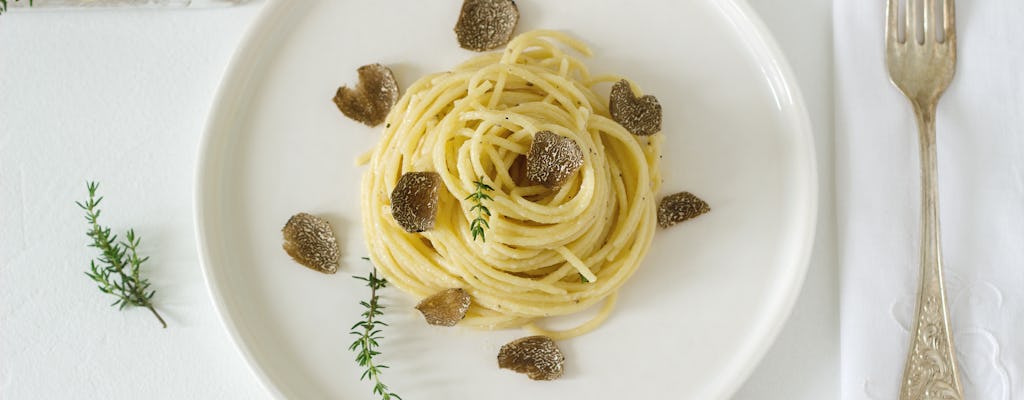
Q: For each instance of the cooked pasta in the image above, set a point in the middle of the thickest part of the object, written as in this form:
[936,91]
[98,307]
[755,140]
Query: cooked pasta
[546,251]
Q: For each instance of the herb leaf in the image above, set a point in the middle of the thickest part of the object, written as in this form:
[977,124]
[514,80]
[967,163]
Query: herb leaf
[3,5]
[117,270]
[368,333]
[476,227]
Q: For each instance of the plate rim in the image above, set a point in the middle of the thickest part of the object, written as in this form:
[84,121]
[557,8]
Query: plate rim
[234,77]
[238,71]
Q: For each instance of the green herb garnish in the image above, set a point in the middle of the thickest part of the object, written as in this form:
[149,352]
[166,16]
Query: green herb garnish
[368,333]
[477,226]
[3,5]
[117,268]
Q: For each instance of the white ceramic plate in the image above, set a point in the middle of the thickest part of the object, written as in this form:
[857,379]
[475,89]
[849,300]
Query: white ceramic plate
[691,324]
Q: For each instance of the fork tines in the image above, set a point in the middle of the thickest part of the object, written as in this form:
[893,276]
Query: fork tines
[907,18]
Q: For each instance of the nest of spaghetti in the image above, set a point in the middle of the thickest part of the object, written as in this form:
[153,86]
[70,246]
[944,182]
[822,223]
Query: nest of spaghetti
[544,248]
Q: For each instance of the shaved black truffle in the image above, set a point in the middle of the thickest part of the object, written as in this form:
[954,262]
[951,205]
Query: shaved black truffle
[486,24]
[310,241]
[536,356]
[680,207]
[640,116]
[553,159]
[372,99]
[414,200]
[445,308]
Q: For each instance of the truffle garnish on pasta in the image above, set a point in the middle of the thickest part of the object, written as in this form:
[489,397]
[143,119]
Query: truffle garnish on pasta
[414,200]
[486,24]
[372,99]
[536,356]
[552,159]
[445,308]
[680,207]
[310,241]
[640,116]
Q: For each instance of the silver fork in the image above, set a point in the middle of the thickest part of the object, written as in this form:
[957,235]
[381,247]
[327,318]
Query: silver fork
[922,66]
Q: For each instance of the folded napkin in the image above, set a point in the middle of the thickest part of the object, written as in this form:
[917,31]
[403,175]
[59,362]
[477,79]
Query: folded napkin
[981,183]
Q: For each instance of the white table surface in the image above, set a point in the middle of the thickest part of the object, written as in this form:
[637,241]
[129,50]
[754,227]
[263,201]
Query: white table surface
[121,97]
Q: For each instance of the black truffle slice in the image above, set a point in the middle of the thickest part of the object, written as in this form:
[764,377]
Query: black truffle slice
[640,116]
[536,356]
[311,242]
[414,200]
[445,308]
[486,24]
[553,159]
[372,99]
[680,207]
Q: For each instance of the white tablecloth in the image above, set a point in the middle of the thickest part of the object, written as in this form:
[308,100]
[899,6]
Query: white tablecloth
[981,179]
[120,97]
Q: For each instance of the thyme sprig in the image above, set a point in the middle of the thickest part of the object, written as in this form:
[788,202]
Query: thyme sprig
[368,333]
[117,269]
[476,227]
[3,5]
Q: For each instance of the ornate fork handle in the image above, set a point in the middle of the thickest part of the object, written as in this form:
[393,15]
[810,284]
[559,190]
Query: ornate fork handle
[931,369]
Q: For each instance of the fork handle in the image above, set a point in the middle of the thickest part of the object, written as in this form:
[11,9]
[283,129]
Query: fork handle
[931,369]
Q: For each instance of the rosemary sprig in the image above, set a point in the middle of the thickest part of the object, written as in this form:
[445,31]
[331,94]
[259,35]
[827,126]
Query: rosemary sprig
[3,5]
[368,333]
[476,227]
[117,270]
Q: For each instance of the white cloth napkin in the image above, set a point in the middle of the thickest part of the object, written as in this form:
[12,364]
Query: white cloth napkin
[981,183]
